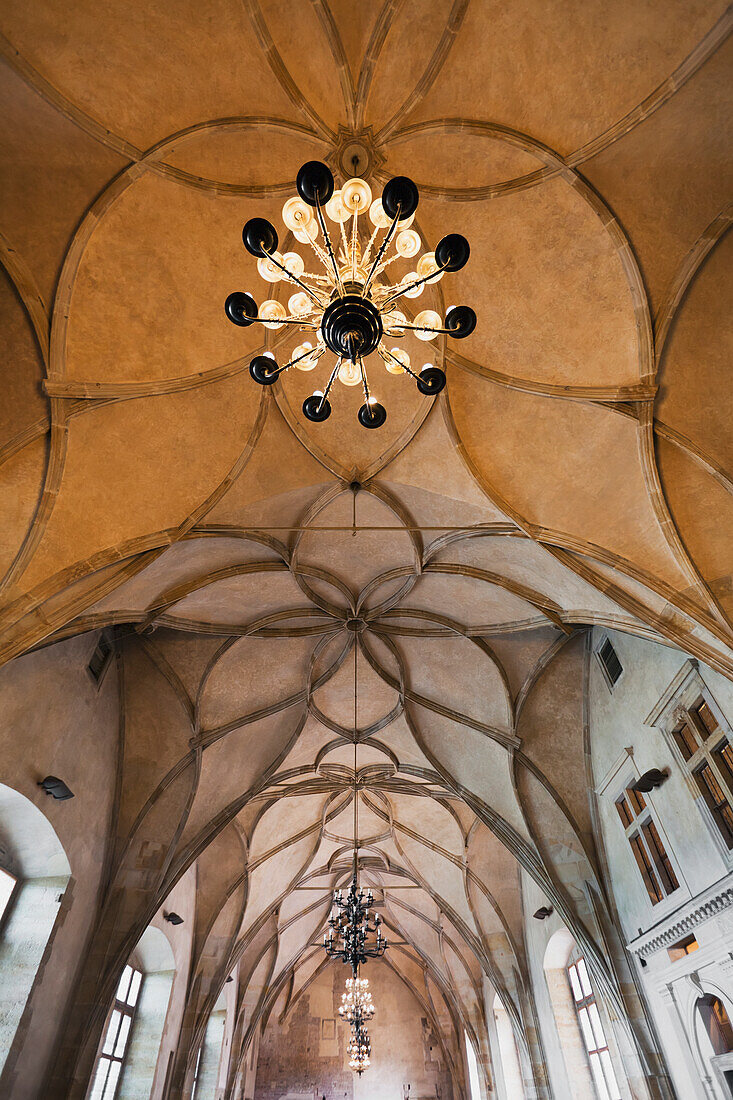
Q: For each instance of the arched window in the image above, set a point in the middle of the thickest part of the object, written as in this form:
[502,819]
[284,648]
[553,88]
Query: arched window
[508,1053]
[128,1053]
[593,1033]
[34,875]
[578,1021]
[716,1024]
[117,1036]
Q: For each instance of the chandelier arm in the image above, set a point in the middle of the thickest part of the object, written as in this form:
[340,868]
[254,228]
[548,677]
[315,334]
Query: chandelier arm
[384,353]
[404,287]
[314,353]
[365,384]
[369,247]
[424,328]
[382,249]
[354,231]
[329,246]
[294,278]
[322,256]
[286,321]
[331,380]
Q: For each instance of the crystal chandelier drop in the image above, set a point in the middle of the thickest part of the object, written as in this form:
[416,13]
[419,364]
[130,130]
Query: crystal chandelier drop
[349,309]
[359,1050]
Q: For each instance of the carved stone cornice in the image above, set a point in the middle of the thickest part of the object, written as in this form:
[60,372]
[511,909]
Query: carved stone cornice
[682,921]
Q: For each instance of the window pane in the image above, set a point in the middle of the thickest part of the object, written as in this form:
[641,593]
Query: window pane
[705,716]
[111,1036]
[610,1075]
[100,1079]
[724,757]
[685,740]
[716,801]
[114,1073]
[584,979]
[586,1028]
[642,861]
[134,988]
[597,1026]
[636,799]
[122,1036]
[575,983]
[595,1065]
[660,857]
[124,985]
[624,812]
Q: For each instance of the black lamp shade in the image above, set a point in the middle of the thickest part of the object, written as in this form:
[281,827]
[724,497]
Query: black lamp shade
[400,196]
[431,381]
[315,182]
[260,237]
[452,252]
[241,309]
[263,370]
[372,415]
[460,321]
[316,408]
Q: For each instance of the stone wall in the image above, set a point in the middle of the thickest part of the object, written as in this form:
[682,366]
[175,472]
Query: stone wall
[298,1058]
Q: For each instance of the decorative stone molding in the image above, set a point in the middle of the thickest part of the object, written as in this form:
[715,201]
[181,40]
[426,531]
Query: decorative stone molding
[701,908]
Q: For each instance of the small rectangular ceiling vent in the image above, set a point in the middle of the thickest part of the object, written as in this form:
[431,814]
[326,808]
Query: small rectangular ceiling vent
[100,660]
[612,667]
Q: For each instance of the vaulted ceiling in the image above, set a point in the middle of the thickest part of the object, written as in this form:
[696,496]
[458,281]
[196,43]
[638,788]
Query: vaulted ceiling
[576,470]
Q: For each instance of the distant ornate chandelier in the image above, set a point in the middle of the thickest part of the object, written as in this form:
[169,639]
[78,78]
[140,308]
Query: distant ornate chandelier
[359,1049]
[350,309]
[352,920]
[356,1005]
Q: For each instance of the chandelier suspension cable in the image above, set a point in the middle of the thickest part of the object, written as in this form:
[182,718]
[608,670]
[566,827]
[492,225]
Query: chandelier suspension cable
[349,306]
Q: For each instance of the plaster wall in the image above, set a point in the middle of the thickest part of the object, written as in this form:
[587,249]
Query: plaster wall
[617,724]
[295,1058]
[68,728]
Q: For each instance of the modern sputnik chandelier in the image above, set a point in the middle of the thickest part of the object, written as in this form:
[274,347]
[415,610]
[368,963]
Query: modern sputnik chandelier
[354,935]
[350,308]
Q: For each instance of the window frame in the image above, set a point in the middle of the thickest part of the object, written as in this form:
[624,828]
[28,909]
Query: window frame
[12,896]
[587,1024]
[125,1008]
[709,745]
[610,684]
[657,863]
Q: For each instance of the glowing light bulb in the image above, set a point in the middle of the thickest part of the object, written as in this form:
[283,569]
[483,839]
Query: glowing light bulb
[294,263]
[306,363]
[403,360]
[336,209]
[297,214]
[408,243]
[273,313]
[394,323]
[269,271]
[299,304]
[430,319]
[356,195]
[349,373]
[371,400]
[426,265]
[411,277]
[309,232]
[377,215]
